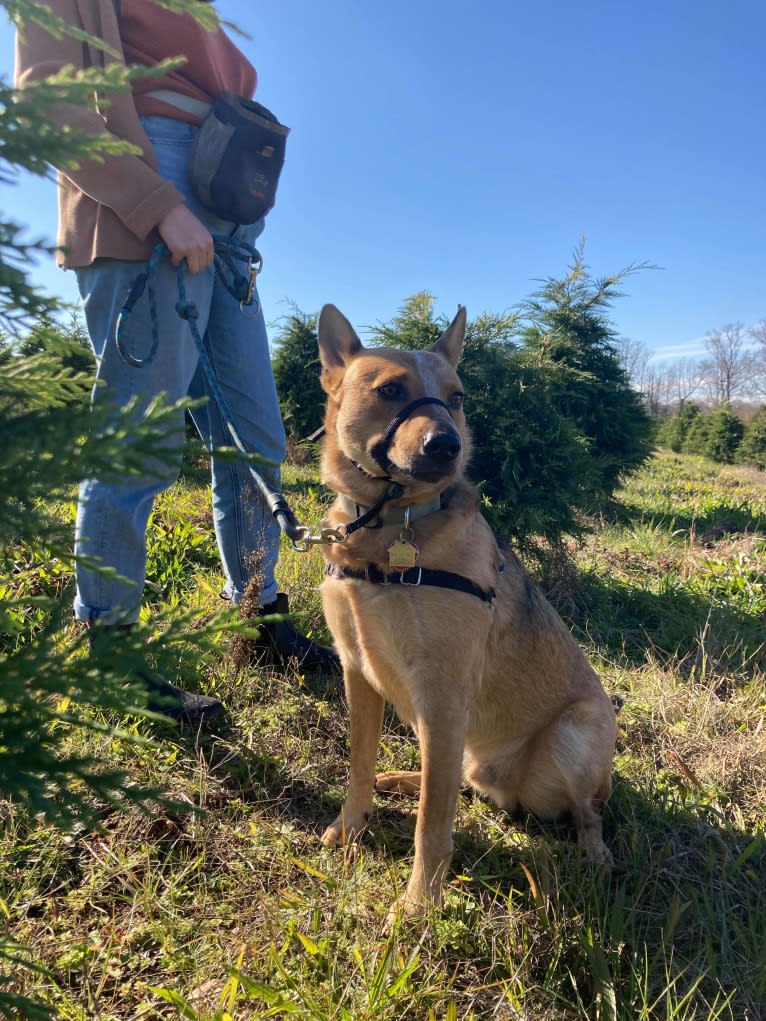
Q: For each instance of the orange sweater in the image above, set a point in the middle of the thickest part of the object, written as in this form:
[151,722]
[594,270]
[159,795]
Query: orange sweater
[111,208]
[214,64]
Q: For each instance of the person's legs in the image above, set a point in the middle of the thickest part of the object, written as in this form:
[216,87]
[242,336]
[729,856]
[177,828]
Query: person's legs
[248,536]
[237,346]
[113,514]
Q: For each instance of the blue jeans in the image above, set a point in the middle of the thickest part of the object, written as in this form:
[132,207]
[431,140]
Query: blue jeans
[112,515]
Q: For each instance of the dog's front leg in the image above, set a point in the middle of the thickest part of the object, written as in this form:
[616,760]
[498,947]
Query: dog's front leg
[441,731]
[365,708]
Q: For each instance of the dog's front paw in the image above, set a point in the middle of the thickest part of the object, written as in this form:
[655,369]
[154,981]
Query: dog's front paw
[596,854]
[407,909]
[344,830]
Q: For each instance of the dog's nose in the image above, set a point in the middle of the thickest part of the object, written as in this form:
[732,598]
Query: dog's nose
[442,446]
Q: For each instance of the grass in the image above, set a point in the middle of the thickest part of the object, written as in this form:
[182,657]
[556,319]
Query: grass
[236,911]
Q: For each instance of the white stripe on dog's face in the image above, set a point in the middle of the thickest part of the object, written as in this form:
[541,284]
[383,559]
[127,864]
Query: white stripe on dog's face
[427,366]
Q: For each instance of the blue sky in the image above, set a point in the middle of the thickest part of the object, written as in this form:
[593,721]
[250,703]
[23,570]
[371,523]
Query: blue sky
[464,149]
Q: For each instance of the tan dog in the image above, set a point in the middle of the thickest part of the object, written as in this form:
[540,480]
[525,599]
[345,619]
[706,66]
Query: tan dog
[429,615]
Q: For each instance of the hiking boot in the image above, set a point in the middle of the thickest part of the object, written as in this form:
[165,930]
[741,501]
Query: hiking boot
[176,703]
[279,642]
[162,696]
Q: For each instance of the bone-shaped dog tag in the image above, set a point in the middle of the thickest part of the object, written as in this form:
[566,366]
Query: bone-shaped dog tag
[402,554]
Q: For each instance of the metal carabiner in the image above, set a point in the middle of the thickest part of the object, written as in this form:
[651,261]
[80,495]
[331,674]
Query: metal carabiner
[324,537]
[254,267]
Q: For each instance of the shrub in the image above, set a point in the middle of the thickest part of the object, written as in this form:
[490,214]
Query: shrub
[752,449]
[673,431]
[724,436]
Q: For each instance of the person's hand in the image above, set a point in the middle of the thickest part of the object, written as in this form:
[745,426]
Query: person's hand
[187,238]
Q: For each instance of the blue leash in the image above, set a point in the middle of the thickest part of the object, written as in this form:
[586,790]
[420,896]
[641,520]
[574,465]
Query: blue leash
[239,285]
[228,252]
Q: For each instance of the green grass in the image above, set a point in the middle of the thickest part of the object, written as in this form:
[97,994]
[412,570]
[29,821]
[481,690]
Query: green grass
[237,911]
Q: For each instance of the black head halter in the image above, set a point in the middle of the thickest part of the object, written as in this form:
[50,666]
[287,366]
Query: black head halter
[379,452]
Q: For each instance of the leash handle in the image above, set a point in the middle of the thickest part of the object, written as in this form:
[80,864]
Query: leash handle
[228,251]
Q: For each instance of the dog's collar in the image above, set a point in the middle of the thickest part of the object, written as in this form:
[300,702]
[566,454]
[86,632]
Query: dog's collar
[389,515]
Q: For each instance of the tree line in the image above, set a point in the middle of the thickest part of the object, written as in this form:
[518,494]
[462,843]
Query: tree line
[714,405]
[732,371]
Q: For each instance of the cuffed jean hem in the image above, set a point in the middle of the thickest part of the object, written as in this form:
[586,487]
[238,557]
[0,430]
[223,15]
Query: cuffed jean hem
[92,615]
[268,595]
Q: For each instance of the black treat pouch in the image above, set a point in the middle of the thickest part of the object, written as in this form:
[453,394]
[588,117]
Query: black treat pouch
[237,157]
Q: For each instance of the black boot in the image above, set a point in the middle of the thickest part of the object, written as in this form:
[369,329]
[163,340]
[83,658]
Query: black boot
[176,703]
[280,643]
[163,697]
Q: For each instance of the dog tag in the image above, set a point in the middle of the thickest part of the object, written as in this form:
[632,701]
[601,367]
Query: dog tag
[402,554]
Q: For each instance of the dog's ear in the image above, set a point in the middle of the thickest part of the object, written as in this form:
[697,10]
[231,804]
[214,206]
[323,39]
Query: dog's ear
[450,344]
[337,340]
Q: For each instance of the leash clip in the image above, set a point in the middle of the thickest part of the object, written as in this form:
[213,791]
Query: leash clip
[305,539]
[254,267]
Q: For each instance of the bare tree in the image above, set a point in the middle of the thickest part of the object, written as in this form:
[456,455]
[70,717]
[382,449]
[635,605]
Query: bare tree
[633,356]
[725,373]
[653,392]
[684,382]
[758,358]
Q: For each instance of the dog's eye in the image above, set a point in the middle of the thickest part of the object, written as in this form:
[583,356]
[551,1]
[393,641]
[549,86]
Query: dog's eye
[456,400]
[391,391]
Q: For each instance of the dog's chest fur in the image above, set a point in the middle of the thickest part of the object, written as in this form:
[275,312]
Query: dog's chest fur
[401,637]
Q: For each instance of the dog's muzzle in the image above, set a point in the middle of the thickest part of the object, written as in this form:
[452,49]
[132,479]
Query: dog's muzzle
[440,447]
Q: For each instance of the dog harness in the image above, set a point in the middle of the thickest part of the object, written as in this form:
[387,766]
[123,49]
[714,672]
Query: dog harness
[413,577]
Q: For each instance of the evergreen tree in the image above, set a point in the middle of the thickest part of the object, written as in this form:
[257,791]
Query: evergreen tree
[673,431]
[724,436]
[554,419]
[296,373]
[50,442]
[70,343]
[752,449]
[414,327]
[568,327]
[696,438]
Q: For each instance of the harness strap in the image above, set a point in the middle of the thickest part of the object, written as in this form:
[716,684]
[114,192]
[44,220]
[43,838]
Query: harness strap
[413,577]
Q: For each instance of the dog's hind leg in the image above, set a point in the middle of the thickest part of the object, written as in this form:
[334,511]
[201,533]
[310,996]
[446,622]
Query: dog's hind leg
[366,721]
[399,782]
[569,768]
